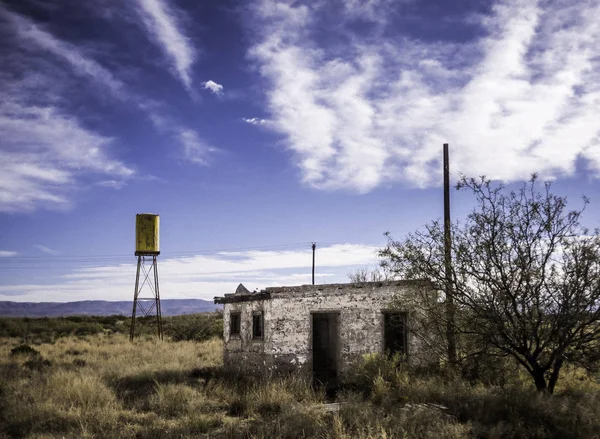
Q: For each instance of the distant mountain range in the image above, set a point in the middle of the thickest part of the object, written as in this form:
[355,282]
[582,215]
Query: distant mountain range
[169,307]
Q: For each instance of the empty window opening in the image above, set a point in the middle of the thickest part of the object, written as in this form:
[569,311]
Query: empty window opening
[257,325]
[395,333]
[234,323]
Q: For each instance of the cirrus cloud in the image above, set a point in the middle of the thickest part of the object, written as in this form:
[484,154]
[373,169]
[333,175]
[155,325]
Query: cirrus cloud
[45,153]
[163,23]
[195,149]
[520,97]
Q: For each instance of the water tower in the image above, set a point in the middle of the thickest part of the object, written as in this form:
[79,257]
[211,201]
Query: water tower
[147,250]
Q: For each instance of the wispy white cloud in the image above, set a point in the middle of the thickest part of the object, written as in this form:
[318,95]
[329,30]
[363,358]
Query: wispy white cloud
[254,120]
[150,177]
[195,149]
[112,184]
[83,65]
[46,150]
[204,276]
[213,87]
[47,250]
[7,253]
[162,22]
[370,10]
[521,99]
[45,154]
[24,189]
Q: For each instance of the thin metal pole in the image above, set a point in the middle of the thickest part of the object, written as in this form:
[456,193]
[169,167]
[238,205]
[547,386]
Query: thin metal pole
[450,335]
[135,296]
[157,296]
[314,246]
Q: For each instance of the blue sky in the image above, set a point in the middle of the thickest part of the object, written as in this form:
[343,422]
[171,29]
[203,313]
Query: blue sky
[255,128]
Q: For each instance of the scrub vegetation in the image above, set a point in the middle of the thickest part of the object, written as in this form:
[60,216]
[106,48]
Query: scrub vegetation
[524,277]
[103,386]
[193,327]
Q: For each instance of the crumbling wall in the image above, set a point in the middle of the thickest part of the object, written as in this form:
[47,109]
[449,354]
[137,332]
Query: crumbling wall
[241,351]
[287,339]
[360,321]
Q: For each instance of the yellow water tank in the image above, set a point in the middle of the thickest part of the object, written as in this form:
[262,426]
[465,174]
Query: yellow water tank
[146,234]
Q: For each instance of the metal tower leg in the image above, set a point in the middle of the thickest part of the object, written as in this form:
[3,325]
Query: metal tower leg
[159,327]
[135,297]
[153,301]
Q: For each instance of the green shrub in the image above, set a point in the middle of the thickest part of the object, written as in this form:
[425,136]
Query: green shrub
[372,367]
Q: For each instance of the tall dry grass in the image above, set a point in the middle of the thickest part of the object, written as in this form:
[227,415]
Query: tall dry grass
[103,386]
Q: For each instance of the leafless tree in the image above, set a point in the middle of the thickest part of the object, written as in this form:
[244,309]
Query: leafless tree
[525,275]
[366,275]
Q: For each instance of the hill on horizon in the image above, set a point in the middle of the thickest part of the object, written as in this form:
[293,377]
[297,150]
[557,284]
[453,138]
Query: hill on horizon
[169,307]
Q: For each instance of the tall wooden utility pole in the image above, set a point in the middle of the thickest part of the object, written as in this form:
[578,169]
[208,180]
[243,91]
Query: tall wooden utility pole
[314,246]
[450,334]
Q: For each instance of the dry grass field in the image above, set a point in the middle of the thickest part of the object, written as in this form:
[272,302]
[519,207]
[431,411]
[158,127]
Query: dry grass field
[103,386]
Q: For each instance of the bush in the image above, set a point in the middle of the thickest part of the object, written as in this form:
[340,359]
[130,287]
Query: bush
[238,406]
[488,369]
[70,389]
[24,349]
[374,369]
[359,420]
[37,363]
[48,330]
[193,327]
[78,362]
[174,400]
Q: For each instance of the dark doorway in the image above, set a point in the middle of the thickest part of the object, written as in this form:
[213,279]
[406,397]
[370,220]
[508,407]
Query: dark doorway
[395,333]
[325,348]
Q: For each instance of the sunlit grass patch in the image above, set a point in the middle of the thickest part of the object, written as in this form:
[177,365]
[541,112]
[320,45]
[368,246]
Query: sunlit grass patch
[150,389]
[172,400]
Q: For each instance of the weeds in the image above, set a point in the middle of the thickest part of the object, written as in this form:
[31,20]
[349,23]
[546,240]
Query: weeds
[191,327]
[103,386]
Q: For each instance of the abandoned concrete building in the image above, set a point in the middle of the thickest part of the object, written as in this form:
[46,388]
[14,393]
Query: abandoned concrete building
[316,329]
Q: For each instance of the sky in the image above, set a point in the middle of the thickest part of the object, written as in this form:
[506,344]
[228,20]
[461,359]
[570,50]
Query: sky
[256,128]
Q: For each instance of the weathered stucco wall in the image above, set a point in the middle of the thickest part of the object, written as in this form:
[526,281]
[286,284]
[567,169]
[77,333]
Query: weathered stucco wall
[242,351]
[287,340]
